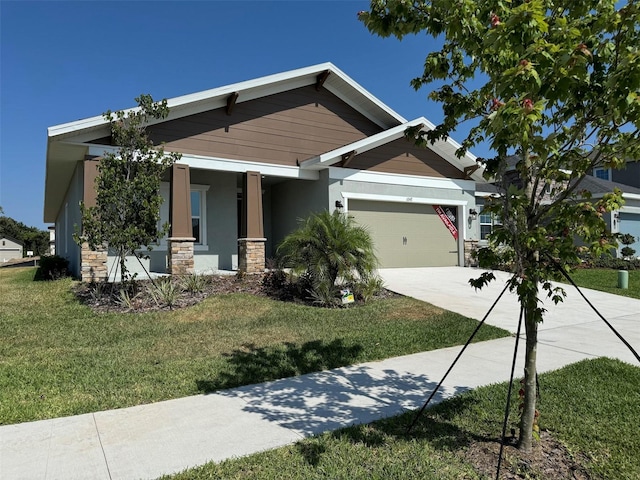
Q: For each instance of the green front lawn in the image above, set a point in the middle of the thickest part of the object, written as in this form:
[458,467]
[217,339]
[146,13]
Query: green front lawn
[606,280]
[58,357]
[591,407]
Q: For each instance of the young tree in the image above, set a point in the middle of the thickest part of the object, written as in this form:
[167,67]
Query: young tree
[553,85]
[127,211]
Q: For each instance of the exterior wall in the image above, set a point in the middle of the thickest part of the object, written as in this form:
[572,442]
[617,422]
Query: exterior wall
[221,249]
[9,250]
[629,175]
[221,252]
[68,218]
[292,200]
[462,193]
[403,156]
[280,129]
[409,189]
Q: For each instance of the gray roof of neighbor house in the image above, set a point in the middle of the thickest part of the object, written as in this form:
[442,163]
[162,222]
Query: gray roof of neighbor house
[599,186]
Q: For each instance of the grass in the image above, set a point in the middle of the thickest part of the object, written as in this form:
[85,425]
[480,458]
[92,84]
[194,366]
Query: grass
[606,280]
[58,357]
[591,407]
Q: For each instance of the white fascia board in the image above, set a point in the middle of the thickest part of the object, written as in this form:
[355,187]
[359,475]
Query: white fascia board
[202,162]
[242,166]
[626,209]
[249,90]
[360,146]
[445,149]
[626,196]
[206,95]
[400,179]
[330,85]
[401,199]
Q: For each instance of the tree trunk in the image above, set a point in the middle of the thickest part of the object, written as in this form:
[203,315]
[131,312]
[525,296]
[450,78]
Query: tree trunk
[527,420]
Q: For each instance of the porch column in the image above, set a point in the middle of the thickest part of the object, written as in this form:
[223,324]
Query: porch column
[180,241]
[93,263]
[251,244]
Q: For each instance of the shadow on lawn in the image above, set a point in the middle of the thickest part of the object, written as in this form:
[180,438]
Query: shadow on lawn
[253,364]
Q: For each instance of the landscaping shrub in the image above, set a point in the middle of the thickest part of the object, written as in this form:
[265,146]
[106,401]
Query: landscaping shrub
[329,251]
[53,267]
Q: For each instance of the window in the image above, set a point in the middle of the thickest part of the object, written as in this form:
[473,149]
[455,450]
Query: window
[487,223]
[602,173]
[196,223]
[199,213]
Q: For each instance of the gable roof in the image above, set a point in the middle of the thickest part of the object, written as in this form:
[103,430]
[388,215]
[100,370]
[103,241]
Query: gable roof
[445,149]
[11,239]
[335,81]
[598,186]
[68,143]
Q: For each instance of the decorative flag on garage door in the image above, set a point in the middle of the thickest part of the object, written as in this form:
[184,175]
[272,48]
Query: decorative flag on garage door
[448,217]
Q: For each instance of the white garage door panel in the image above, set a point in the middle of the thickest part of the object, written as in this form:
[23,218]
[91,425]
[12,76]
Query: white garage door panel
[630,223]
[406,235]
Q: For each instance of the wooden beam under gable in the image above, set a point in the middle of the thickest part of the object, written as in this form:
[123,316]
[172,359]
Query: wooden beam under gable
[231,102]
[470,170]
[321,78]
[347,157]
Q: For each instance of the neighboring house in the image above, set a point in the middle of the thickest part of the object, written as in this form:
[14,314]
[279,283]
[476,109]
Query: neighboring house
[625,220]
[52,240]
[629,175]
[261,154]
[10,249]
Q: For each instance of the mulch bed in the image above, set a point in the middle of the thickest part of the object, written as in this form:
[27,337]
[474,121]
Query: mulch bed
[107,297]
[549,460]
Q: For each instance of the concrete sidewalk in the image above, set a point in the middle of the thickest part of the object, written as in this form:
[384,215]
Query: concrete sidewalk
[165,437]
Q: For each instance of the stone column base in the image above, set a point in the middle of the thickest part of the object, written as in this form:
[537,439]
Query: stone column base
[93,264]
[251,255]
[470,246]
[180,255]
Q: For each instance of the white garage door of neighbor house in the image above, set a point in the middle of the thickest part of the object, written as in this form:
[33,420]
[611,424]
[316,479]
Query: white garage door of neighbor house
[630,223]
[406,234]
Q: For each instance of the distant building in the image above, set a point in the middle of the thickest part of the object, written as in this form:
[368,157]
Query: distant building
[52,240]
[10,249]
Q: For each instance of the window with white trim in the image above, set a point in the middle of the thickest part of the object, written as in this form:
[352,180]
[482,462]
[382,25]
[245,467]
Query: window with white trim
[602,173]
[199,213]
[198,197]
[488,222]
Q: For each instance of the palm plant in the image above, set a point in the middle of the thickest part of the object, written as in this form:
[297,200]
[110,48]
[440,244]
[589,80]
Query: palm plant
[329,248]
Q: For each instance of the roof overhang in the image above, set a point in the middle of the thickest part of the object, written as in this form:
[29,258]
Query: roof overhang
[444,148]
[67,143]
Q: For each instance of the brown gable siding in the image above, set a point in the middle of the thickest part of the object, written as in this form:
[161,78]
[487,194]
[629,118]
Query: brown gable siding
[279,129]
[402,156]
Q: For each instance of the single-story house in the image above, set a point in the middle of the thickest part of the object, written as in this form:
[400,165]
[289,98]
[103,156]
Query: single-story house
[624,220]
[10,249]
[627,218]
[261,154]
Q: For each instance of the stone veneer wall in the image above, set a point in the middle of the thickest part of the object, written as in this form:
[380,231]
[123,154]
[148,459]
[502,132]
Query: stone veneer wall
[251,255]
[93,264]
[180,255]
[470,246]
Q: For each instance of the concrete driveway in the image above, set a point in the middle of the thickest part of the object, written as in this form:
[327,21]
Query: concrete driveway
[570,329]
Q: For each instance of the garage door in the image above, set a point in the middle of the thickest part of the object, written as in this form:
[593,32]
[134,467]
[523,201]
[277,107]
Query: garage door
[630,223]
[406,234]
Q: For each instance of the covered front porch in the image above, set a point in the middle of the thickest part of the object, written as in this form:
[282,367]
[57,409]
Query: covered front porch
[220,220]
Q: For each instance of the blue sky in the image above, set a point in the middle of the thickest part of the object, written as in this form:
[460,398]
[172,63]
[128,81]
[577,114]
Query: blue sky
[63,61]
